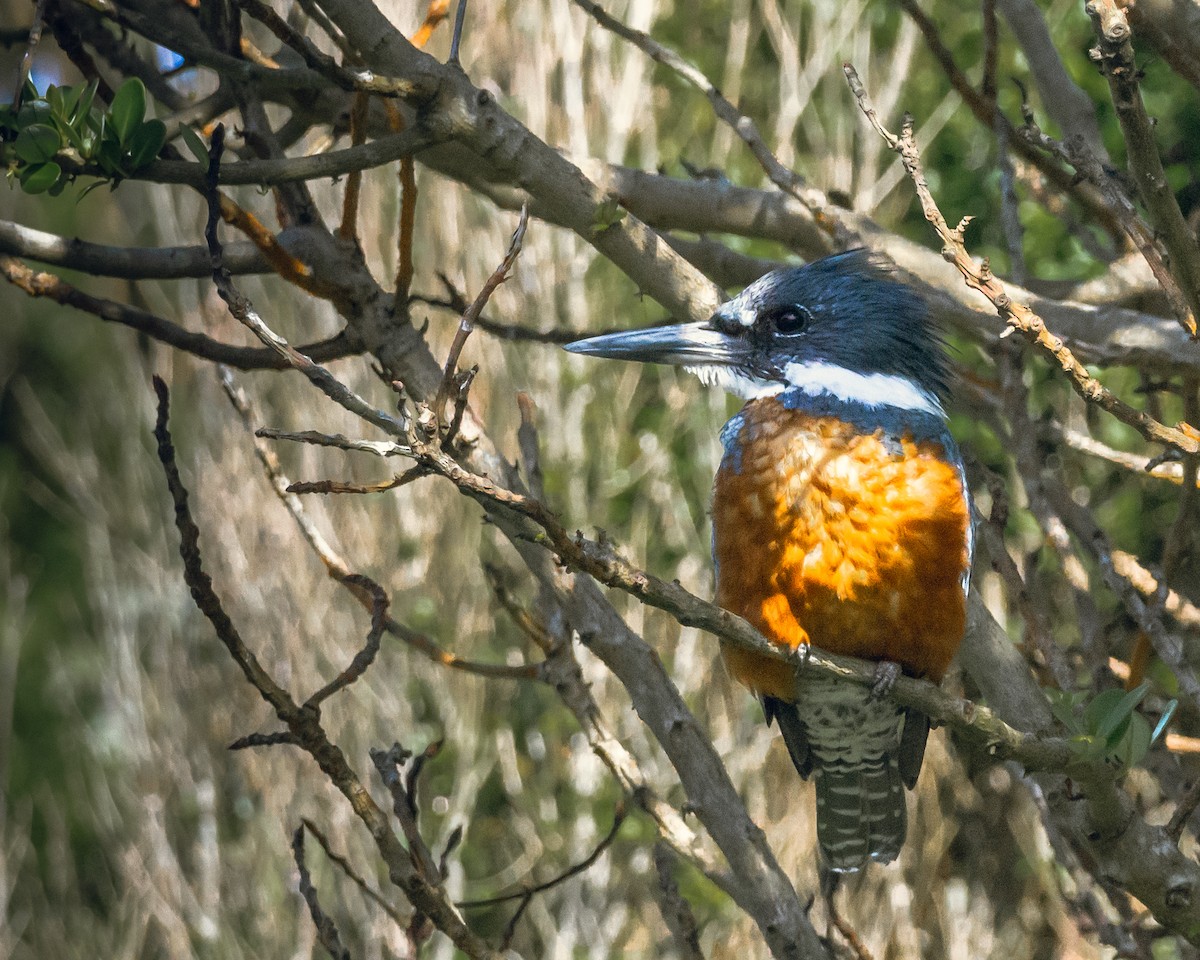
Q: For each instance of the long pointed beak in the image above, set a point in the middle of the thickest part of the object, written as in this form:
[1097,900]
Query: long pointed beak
[685,344]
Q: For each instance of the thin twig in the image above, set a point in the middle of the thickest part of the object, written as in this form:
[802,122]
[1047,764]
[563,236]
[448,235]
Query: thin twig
[304,723]
[327,931]
[279,738]
[243,310]
[619,815]
[504,331]
[1183,811]
[452,383]
[345,77]
[358,133]
[366,656]
[340,570]
[348,869]
[985,113]
[1114,191]
[40,284]
[676,911]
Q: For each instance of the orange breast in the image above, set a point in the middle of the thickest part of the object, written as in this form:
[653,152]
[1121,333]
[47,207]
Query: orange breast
[854,543]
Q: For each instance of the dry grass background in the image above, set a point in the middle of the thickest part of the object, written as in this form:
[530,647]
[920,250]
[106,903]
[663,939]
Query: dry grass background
[162,844]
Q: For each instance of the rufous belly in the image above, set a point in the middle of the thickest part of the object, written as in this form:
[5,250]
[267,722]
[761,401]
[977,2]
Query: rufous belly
[856,543]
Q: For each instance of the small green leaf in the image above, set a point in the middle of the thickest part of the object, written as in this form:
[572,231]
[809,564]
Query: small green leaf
[75,137]
[70,99]
[54,97]
[1100,707]
[31,92]
[128,108]
[145,143]
[108,156]
[37,143]
[40,177]
[195,144]
[1122,710]
[36,111]
[607,214]
[1063,704]
[1136,743]
[83,108]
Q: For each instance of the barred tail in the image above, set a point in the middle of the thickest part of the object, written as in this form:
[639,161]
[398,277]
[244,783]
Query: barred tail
[852,744]
[860,811]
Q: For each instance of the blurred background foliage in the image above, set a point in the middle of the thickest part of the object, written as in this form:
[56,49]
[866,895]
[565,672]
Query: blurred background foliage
[127,830]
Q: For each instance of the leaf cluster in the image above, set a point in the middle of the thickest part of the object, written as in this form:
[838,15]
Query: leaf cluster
[1108,727]
[65,122]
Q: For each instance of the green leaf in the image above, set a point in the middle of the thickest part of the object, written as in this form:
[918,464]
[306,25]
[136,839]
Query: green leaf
[1137,742]
[1117,734]
[607,214]
[145,143]
[54,97]
[128,108]
[84,107]
[70,99]
[195,144]
[37,111]
[108,156]
[1122,710]
[31,92]
[37,143]
[75,137]
[40,177]
[1100,707]
[1063,705]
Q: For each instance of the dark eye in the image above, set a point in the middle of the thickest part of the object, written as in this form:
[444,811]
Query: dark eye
[791,319]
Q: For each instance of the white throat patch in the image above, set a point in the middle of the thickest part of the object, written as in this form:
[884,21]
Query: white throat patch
[815,377]
[735,382]
[869,389]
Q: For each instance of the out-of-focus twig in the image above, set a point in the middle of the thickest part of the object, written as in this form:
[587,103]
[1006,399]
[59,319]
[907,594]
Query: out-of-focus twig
[358,133]
[35,36]
[526,894]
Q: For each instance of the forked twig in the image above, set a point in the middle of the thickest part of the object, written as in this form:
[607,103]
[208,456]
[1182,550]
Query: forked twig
[454,383]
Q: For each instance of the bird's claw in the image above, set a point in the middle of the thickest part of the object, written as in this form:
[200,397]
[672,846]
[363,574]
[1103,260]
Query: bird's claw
[886,673]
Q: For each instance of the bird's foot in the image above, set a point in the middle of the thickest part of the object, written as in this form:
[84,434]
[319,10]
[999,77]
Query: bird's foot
[886,673]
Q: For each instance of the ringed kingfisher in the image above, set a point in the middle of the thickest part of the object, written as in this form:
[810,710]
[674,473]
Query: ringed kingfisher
[840,516]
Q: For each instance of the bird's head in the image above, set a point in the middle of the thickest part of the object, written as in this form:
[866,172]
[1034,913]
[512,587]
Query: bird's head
[842,325]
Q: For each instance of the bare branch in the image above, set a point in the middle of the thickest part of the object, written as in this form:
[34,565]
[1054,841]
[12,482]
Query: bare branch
[1115,56]
[243,358]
